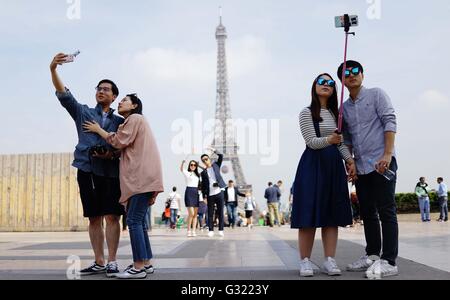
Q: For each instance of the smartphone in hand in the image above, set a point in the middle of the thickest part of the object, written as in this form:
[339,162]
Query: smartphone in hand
[71,57]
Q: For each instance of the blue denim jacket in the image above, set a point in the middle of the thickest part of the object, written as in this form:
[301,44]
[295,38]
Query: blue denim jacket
[80,114]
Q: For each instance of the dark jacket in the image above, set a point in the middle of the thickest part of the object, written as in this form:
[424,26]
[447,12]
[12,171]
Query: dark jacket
[272,194]
[80,114]
[278,191]
[236,193]
[205,179]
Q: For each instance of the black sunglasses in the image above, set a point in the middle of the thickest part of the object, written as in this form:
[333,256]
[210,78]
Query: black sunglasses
[329,82]
[355,71]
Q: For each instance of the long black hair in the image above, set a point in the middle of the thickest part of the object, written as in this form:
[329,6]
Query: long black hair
[135,100]
[332,103]
[196,169]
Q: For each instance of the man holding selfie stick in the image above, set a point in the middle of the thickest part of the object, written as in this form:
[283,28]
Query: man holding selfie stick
[213,187]
[369,128]
[98,167]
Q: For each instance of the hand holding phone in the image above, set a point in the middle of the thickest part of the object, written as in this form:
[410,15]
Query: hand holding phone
[71,57]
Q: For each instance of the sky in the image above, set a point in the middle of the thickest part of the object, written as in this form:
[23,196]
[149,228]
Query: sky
[166,52]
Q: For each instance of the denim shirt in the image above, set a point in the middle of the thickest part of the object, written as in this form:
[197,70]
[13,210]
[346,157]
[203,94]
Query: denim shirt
[80,114]
[366,119]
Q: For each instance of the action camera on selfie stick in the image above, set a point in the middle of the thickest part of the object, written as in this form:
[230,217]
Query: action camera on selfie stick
[346,22]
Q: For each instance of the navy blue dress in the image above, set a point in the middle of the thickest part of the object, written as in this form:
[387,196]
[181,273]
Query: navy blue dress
[321,196]
[191,197]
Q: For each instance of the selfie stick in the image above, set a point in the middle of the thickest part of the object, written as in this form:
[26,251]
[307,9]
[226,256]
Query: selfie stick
[347,25]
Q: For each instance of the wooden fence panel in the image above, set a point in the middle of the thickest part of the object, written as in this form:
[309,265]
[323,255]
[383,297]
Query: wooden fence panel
[39,192]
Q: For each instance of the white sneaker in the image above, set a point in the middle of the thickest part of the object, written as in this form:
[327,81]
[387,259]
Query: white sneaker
[330,267]
[381,269]
[189,234]
[360,265]
[306,268]
[316,269]
[211,234]
[193,234]
[148,269]
[221,234]
[132,274]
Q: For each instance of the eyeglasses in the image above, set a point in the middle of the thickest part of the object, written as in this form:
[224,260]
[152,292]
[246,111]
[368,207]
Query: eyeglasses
[355,71]
[323,81]
[193,165]
[105,89]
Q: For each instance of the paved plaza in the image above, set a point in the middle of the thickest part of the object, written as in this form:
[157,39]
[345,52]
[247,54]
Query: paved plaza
[259,254]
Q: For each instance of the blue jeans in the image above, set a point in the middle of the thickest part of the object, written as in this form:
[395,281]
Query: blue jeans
[137,211]
[201,218]
[148,216]
[173,216]
[424,205]
[232,213]
[443,205]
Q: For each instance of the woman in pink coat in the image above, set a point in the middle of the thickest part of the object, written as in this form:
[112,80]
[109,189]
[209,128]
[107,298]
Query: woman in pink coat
[140,178]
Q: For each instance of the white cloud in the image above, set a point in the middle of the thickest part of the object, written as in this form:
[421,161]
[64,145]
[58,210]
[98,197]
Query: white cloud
[247,55]
[175,65]
[434,100]
[244,56]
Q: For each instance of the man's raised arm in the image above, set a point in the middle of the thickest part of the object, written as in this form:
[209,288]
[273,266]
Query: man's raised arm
[59,59]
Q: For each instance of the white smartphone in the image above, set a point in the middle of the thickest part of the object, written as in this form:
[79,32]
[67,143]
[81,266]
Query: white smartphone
[71,57]
[340,21]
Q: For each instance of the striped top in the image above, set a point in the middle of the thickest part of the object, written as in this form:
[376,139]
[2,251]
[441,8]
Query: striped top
[327,128]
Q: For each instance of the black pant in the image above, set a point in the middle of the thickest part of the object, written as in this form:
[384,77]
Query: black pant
[124,221]
[219,201]
[376,197]
[99,195]
[443,207]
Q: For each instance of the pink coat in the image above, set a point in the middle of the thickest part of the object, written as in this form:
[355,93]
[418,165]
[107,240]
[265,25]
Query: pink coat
[140,162]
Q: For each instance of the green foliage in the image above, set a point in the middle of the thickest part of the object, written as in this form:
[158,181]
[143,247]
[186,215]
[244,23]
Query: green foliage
[408,203]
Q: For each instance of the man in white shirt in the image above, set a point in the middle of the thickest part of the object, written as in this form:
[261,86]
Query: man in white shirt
[175,206]
[442,193]
[231,202]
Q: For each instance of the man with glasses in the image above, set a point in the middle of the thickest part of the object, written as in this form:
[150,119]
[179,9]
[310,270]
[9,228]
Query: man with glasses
[213,187]
[98,168]
[369,130]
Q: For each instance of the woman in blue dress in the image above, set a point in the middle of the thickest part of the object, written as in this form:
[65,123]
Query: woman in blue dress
[320,191]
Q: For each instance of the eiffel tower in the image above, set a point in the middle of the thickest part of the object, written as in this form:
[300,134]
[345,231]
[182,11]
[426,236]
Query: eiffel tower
[224,137]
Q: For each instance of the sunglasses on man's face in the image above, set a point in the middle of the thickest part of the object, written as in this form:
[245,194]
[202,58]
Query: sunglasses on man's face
[205,159]
[355,71]
[99,89]
[329,82]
